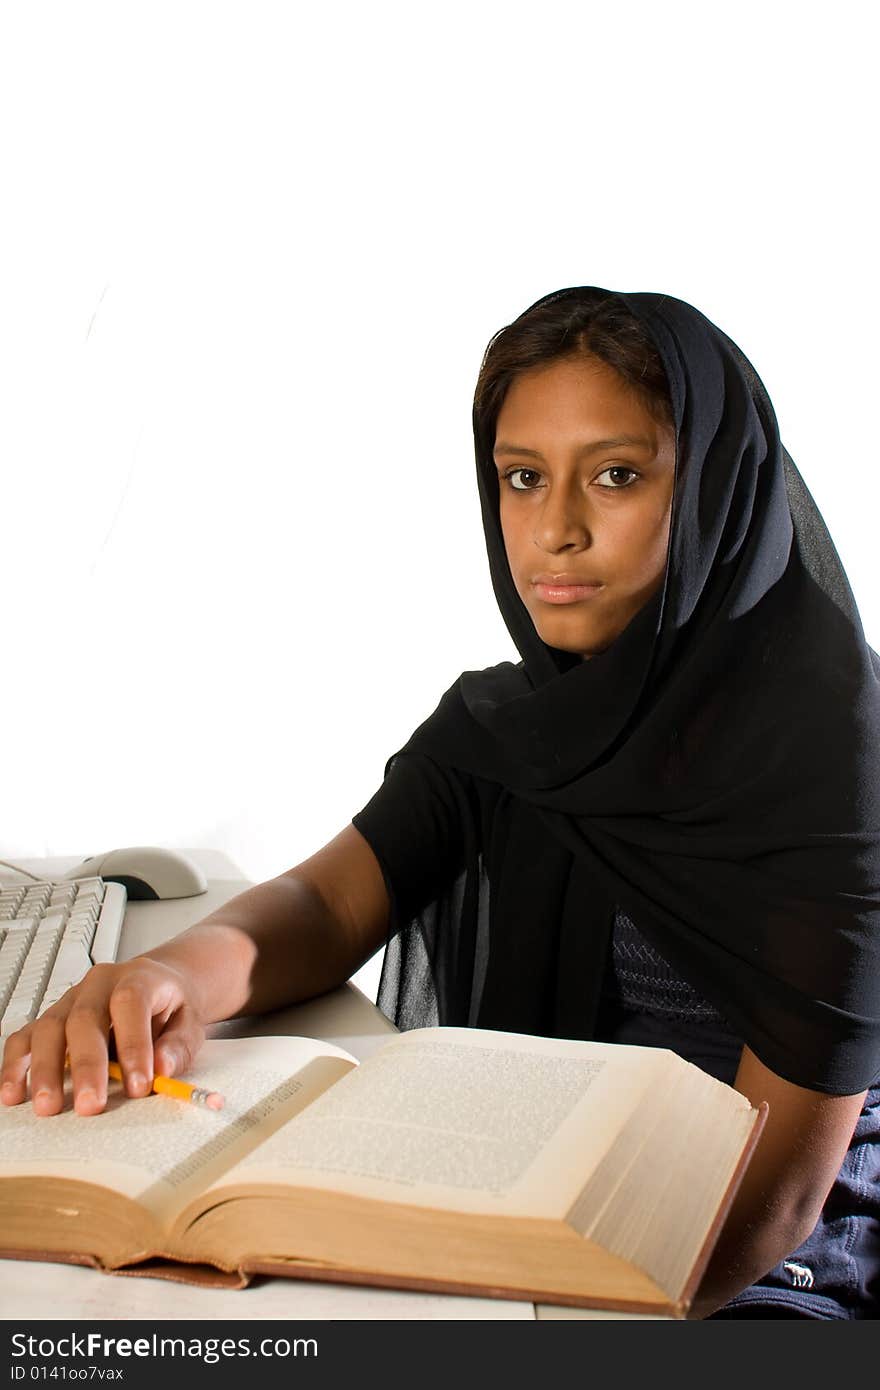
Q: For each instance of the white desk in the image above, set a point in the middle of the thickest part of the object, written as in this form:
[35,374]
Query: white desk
[32,1291]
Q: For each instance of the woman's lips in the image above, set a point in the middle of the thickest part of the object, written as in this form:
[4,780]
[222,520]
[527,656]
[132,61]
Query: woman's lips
[566,593]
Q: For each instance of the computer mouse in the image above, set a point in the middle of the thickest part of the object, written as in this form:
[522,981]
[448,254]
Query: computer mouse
[145,872]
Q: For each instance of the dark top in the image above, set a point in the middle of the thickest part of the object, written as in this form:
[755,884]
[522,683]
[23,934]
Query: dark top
[410,824]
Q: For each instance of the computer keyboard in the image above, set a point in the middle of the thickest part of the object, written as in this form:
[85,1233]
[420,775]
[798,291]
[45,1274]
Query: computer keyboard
[50,935]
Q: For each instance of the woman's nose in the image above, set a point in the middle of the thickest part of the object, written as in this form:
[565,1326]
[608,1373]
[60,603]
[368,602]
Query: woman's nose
[562,519]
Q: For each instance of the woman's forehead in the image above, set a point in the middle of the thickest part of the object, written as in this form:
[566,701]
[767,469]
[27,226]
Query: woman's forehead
[574,398]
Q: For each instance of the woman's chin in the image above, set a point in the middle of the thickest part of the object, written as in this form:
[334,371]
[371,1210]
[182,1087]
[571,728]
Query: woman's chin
[584,643]
[584,649]
[569,637]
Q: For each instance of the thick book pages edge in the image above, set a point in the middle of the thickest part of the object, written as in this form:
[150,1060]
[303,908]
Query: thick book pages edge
[521,1293]
[721,1214]
[152,1267]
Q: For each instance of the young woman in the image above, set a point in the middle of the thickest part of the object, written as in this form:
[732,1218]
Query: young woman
[661,826]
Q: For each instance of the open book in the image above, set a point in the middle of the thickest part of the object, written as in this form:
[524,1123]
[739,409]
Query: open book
[453,1159]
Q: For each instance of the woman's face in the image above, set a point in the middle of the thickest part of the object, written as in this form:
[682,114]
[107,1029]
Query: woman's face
[586,480]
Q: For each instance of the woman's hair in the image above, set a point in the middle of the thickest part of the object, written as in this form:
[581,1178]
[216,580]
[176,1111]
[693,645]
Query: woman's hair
[574,323]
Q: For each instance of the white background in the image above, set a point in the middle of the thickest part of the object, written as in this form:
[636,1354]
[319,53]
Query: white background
[252,255]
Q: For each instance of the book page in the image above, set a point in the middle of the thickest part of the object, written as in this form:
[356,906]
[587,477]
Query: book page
[694,1150]
[161,1151]
[463,1119]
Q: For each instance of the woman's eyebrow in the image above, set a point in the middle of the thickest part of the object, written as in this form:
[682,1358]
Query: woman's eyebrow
[636,440]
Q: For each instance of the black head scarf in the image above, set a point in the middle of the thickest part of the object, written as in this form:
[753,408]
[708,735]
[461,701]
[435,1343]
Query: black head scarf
[715,771]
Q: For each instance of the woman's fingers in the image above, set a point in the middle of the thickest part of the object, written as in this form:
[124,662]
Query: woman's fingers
[47,1061]
[175,1048]
[47,1081]
[137,999]
[141,1001]
[86,1034]
[144,996]
[14,1070]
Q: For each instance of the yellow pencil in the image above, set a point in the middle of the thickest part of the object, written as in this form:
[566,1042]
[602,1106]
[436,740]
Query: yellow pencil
[178,1090]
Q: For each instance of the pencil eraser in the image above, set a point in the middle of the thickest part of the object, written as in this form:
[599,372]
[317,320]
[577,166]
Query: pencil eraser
[214,1101]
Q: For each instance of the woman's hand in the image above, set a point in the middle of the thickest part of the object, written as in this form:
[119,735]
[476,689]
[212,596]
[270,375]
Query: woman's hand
[156,1028]
[294,937]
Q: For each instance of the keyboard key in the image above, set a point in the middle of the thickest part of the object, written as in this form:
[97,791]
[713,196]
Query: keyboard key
[13,1019]
[91,885]
[53,921]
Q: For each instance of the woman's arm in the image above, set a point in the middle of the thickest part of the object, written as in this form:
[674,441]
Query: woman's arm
[280,942]
[792,1170]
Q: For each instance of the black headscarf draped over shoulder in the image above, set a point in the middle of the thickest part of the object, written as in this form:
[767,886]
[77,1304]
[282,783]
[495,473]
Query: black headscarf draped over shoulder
[715,771]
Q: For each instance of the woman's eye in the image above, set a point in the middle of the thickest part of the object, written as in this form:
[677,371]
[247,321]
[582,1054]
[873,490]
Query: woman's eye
[618,468]
[508,478]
